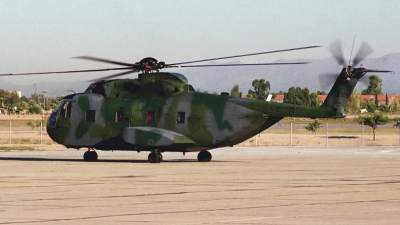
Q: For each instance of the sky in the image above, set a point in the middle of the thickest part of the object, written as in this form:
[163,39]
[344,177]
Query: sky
[42,35]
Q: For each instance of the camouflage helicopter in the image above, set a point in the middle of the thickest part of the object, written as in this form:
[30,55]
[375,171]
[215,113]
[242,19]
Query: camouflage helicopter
[161,111]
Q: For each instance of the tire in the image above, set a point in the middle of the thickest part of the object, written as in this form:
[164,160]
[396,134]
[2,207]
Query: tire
[154,158]
[204,156]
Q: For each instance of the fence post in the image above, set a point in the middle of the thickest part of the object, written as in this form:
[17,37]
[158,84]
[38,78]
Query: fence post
[10,132]
[362,135]
[327,134]
[291,131]
[41,132]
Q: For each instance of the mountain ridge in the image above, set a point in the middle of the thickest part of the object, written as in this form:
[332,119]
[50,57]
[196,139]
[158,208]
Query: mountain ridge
[222,79]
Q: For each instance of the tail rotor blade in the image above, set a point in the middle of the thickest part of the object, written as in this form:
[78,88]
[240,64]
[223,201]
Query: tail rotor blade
[364,51]
[326,80]
[364,80]
[336,50]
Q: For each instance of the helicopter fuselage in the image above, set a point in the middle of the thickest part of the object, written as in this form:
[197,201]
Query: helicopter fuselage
[162,111]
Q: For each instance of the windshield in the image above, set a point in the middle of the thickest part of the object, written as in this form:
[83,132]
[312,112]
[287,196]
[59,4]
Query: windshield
[63,109]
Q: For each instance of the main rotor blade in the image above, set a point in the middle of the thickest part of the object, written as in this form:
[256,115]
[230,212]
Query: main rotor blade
[336,50]
[378,71]
[364,51]
[68,71]
[365,79]
[251,64]
[251,54]
[114,75]
[106,61]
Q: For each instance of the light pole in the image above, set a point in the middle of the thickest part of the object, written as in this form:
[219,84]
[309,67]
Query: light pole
[44,99]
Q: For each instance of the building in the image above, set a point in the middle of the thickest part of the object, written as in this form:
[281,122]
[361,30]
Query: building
[381,98]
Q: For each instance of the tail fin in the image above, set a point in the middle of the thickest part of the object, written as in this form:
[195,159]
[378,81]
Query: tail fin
[342,89]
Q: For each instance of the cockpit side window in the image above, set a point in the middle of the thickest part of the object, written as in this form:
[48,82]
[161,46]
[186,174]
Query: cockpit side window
[65,110]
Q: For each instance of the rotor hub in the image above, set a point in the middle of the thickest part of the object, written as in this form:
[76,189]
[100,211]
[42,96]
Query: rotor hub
[148,61]
[149,64]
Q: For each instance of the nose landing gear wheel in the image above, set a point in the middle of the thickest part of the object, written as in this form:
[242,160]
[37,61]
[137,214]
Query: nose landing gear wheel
[90,156]
[204,156]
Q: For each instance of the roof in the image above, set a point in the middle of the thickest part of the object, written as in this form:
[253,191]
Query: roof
[381,97]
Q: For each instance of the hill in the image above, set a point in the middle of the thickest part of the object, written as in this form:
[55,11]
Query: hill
[284,77]
[218,79]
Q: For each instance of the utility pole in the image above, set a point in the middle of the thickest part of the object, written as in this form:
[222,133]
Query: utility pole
[44,99]
[35,95]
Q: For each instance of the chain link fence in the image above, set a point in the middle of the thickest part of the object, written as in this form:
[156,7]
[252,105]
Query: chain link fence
[330,134]
[281,134]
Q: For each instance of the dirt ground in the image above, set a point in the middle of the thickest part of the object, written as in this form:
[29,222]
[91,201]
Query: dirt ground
[28,140]
[340,134]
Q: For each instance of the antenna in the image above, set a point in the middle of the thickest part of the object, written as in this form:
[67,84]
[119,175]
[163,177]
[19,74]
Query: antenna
[351,54]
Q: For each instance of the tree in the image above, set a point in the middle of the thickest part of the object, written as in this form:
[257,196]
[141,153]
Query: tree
[313,127]
[235,91]
[261,88]
[291,96]
[374,87]
[54,101]
[34,108]
[373,121]
[9,99]
[304,96]
[22,106]
[274,95]
[33,125]
[25,99]
[369,105]
[314,99]
[386,99]
[297,96]
[395,104]
[2,100]
[384,108]
[354,103]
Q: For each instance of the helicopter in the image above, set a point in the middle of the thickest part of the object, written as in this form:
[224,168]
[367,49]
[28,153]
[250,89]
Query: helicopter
[161,112]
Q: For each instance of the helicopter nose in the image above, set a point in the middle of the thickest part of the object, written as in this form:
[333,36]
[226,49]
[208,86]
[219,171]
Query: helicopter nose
[51,132]
[51,126]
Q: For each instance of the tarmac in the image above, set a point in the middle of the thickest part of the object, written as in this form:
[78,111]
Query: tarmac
[241,185]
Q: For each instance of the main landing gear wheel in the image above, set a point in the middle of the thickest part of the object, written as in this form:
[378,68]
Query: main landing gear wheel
[90,156]
[155,157]
[204,156]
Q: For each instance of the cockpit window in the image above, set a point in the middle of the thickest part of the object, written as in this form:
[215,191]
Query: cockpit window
[65,110]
